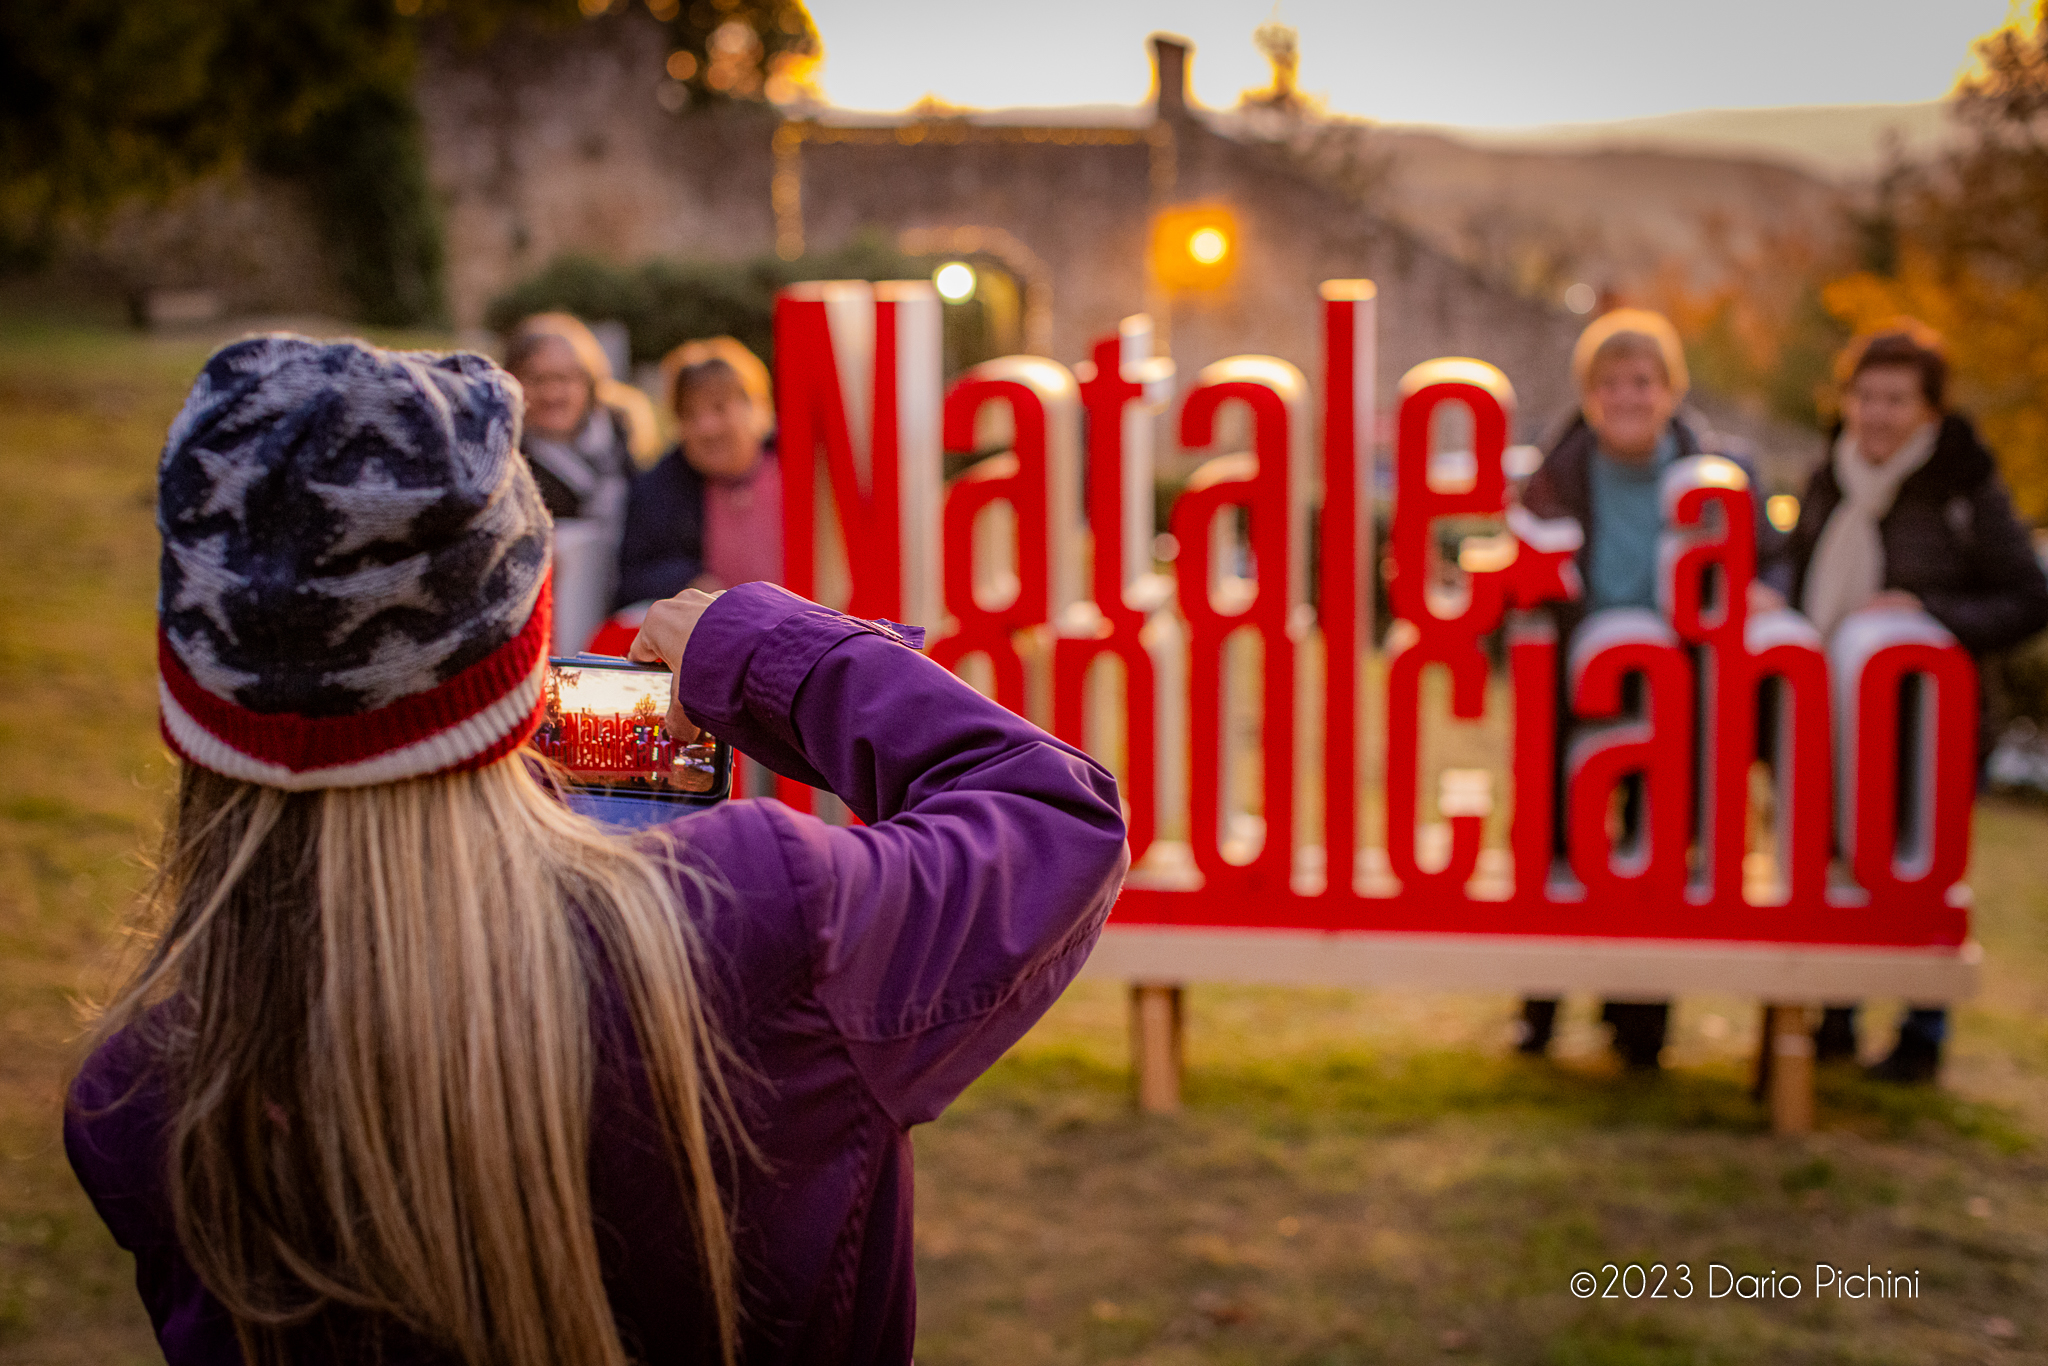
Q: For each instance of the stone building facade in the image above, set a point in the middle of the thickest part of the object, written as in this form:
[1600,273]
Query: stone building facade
[544,142]
[540,146]
[551,141]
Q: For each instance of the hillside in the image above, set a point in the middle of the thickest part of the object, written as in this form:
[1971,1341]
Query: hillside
[1838,141]
[1613,218]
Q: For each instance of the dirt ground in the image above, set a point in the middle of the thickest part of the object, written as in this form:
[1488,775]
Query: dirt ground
[1356,1177]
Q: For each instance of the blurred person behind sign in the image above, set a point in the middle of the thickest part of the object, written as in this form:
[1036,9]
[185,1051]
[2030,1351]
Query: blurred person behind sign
[1604,471]
[584,431]
[709,514]
[1909,511]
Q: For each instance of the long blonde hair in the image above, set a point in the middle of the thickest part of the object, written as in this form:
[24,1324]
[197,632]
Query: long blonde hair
[379,1051]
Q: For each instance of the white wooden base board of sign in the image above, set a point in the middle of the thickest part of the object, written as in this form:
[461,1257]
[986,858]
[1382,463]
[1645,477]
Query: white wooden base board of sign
[1536,964]
[1156,960]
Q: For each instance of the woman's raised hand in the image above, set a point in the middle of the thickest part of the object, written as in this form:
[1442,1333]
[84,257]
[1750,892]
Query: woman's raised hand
[664,635]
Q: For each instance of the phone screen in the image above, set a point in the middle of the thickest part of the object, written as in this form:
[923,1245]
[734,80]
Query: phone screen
[606,727]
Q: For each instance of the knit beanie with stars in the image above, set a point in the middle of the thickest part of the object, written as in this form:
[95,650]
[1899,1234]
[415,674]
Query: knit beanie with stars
[355,567]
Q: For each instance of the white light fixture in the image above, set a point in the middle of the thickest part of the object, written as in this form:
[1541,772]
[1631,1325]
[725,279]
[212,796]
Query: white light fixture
[954,281]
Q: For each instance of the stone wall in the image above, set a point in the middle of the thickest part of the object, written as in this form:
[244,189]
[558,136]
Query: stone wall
[547,141]
[1297,232]
[1080,200]
[250,242]
[552,140]
[1085,212]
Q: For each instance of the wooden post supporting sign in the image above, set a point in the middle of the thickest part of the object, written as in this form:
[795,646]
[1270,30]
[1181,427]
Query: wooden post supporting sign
[1788,1078]
[1156,1037]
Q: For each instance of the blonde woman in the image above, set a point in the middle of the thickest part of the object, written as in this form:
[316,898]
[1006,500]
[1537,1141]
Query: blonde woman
[420,1066]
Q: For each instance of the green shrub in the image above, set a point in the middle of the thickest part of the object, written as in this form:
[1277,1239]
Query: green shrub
[666,302]
[364,162]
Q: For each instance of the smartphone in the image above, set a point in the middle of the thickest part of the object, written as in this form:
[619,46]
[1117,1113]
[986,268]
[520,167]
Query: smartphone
[606,728]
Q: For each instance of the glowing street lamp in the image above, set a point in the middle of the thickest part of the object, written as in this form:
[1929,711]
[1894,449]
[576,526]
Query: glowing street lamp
[1208,246]
[1194,246]
[954,281]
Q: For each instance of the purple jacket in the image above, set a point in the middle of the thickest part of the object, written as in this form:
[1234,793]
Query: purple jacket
[866,975]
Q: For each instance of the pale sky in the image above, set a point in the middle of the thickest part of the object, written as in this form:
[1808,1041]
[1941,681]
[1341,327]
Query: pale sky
[614,690]
[1484,63]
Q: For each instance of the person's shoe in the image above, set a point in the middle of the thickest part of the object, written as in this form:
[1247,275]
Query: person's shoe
[1537,1025]
[1913,1062]
[1835,1040]
[1641,1055]
[1639,1029]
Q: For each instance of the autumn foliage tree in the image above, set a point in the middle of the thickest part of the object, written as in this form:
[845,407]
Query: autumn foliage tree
[1759,332]
[1963,245]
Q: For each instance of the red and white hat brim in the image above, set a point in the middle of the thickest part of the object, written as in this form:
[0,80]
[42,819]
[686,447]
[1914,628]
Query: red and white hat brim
[469,720]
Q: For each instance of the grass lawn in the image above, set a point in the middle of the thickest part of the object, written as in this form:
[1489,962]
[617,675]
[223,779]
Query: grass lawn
[1356,1177]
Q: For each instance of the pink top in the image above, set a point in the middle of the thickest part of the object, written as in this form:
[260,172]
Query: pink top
[743,526]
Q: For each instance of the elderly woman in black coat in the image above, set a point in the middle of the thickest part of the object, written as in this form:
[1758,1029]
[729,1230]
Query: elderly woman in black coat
[1909,511]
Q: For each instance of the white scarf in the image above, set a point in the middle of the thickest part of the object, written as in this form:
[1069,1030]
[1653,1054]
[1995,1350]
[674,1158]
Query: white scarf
[1848,560]
[593,463]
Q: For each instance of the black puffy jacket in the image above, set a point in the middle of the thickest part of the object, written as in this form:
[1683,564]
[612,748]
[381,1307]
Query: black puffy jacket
[1951,539]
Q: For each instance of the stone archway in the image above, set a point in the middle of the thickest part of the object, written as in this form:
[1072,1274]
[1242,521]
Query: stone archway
[1023,264]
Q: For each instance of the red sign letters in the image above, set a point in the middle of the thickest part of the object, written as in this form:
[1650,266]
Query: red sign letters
[1256,815]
